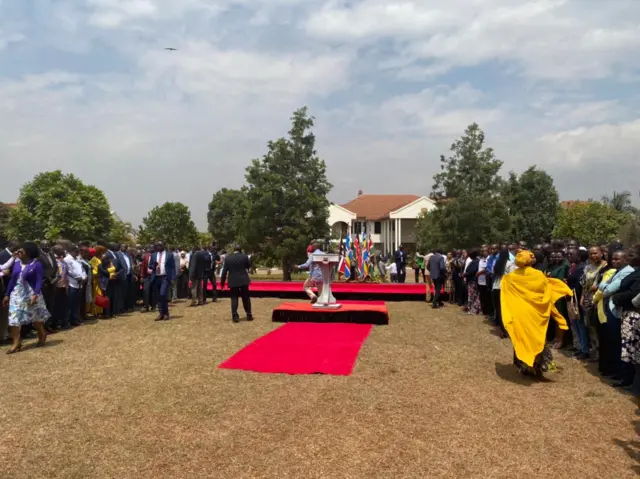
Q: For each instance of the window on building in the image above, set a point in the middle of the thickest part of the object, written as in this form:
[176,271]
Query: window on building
[357,227]
[377,227]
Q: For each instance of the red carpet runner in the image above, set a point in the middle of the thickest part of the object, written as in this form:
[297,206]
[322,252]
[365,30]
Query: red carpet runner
[303,348]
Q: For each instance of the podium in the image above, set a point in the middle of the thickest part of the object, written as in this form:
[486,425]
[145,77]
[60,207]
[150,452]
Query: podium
[326,263]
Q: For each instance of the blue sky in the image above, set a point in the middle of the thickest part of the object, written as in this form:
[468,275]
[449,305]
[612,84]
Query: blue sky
[86,86]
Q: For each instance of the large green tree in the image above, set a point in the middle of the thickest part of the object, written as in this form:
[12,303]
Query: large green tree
[532,200]
[589,222]
[225,216]
[287,191]
[5,213]
[170,223]
[54,205]
[121,231]
[468,189]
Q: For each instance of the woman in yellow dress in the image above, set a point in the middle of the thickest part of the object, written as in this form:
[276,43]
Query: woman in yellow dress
[528,301]
[95,263]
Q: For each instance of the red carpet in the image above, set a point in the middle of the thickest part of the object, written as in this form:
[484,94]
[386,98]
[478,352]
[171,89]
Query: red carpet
[359,313]
[303,348]
[339,288]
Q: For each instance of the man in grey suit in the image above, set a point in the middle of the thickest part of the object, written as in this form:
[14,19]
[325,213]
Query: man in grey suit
[237,266]
[437,271]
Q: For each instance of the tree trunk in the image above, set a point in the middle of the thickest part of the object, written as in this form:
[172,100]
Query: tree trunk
[286,270]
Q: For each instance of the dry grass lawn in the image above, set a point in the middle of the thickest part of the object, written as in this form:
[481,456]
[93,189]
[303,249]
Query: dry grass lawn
[432,395]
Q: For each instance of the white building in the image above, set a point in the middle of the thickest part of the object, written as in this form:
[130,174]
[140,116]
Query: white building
[390,220]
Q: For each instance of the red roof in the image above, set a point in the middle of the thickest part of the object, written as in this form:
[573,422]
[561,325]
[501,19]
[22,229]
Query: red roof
[376,207]
[10,205]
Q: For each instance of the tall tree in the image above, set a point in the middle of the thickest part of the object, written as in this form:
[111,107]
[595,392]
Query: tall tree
[54,205]
[620,201]
[468,189]
[225,216]
[590,222]
[532,200]
[170,223]
[121,231]
[287,191]
[5,213]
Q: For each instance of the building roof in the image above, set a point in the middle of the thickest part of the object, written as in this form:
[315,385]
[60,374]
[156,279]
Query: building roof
[376,207]
[10,205]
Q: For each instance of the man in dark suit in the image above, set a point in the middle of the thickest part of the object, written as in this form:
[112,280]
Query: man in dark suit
[206,274]
[196,273]
[400,258]
[438,272]
[7,258]
[237,266]
[162,268]
[114,287]
[215,261]
[50,268]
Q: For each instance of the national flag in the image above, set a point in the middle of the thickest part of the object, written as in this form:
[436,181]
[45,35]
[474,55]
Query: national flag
[359,256]
[347,257]
[365,255]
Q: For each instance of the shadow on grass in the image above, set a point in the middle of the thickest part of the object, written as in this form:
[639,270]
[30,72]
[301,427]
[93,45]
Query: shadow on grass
[508,372]
[632,448]
[49,344]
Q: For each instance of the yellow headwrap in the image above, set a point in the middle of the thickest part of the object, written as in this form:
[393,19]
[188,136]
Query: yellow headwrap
[524,258]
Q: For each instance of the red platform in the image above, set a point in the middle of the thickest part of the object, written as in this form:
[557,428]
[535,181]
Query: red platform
[359,313]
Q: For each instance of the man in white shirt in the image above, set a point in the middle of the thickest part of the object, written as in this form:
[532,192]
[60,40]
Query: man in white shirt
[7,258]
[485,297]
[76,277]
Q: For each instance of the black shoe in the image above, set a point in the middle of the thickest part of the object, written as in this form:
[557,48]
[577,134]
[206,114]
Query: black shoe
[159,318]
[581,356]
[314,300]
[434,306]
[235,319]
[249,317]
[66,327]
[623,384]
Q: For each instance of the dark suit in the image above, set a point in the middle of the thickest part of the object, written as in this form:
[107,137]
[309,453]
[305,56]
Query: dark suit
[4,282]
[437,270]
[237,267]
[400,258]
[206,275]
[163,282]
[114,287]
[196,275]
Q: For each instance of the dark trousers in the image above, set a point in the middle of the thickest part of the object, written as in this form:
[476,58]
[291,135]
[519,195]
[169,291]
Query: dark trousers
[460,289]
[485,299]
[610,346]
[125,294]
[149,296]
[417,273]
[240,292]
[82,303]
[205,285]
[497,306]
[163,288]
[402,273]
[437,288]
[183,285]
[74,305]
[48,293]
[113,293]
[60,308]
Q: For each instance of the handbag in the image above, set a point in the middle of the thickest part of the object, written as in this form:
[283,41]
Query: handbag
[573,308]
[102,302]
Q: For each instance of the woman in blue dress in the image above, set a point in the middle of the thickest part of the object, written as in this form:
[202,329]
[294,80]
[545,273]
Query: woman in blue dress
[24,296]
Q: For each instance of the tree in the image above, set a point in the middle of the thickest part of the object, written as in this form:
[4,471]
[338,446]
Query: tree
[532,200]
[225,216]
[620,202]
[121,231]
[54,205]
[170,223]
[5,213]
[589,222]
[629,232]
[470,208]
[287,191]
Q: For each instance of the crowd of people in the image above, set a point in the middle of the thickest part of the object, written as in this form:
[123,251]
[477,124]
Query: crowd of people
[48,288]
[595,290]
[559,295]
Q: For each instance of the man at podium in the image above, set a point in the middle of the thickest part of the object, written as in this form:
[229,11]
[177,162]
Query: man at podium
[315,273]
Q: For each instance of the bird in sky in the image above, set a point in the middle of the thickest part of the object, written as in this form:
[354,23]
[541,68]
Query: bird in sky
[171,49]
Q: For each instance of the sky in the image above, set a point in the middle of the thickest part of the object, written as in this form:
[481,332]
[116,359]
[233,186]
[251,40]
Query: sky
[87,87]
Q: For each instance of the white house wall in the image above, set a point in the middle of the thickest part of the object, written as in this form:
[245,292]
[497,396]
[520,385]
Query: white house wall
[413,210]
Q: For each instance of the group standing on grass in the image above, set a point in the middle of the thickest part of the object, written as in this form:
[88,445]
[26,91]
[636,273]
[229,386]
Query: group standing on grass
[558,295]
[53,288]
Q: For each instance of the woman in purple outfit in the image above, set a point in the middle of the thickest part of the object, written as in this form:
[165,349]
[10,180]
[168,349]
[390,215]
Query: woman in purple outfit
[24,297]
